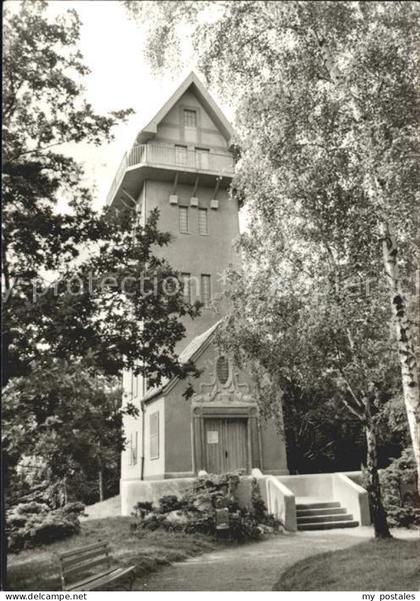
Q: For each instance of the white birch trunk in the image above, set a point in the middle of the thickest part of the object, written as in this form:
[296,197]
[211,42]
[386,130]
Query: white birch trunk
[405,339]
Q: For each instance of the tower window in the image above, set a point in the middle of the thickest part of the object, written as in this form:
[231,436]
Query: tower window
[190,118]
[154,435]
[202,222]
[183,220]
[205,290]
[180,154]
[186,280]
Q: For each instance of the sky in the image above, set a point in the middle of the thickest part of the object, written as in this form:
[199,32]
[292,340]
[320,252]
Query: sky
[112,45]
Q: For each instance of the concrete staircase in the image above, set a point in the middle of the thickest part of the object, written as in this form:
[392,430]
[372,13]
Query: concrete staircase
[322,515]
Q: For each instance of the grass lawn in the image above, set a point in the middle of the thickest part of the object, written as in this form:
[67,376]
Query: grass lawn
[376,565]
[38,569]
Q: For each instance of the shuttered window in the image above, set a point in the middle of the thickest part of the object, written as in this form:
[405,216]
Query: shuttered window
[180,155]
[190,118]
[154,435]
[205,290]
[183,220]
[202,222]
[202,158]
[186,281]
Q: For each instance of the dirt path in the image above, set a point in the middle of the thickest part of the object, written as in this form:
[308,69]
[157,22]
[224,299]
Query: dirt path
[251,567]
[110,508]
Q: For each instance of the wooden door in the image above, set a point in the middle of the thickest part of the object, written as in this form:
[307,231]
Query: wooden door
[226,444]
[213,441]
[236,447]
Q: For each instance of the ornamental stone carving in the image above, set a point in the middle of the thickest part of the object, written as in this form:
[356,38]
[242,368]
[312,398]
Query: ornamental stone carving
[223,385]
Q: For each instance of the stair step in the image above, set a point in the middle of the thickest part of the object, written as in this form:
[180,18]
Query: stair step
[328,525]
[325,511]
[312,519]
[323,505]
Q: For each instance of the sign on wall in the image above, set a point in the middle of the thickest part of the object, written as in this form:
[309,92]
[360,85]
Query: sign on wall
[212,437]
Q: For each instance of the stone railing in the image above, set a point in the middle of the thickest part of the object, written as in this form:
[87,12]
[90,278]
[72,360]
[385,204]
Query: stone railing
[279,500]
[353,497]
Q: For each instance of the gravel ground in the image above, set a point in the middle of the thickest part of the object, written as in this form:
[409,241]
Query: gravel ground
[253,567]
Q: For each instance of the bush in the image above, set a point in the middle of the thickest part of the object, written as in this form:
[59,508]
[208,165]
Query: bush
[399,489]
[197,511]
[169,503]
[33,524]
[141,509]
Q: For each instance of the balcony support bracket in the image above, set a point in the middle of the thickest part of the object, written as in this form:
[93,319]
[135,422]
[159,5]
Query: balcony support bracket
[197,179]
[175,184]
[129,196]
[216,189]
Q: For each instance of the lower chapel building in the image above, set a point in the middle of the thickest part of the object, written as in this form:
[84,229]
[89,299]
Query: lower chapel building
[182,163]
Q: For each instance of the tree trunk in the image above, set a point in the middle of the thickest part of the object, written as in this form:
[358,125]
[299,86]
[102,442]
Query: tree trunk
[4,476]
[101,484]
[65,495]
[405,338]
[378,512]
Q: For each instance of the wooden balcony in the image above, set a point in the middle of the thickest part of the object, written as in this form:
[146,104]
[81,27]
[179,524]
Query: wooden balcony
[162,162]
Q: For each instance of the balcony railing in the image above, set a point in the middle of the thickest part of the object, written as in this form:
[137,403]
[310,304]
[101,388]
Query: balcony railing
[172,156]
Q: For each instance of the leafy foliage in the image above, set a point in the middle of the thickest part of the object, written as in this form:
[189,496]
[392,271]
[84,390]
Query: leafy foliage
[73,278]
[401,499]
[34,524]
[62,426]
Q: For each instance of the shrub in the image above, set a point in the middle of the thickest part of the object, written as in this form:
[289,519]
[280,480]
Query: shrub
[142,508]
[169,503]
[398,482]
[33,524]
[196,511]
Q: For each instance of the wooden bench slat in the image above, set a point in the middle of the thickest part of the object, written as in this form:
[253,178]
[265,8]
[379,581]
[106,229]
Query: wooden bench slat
[73,585]
[81,550]
[101,579]
[79,562]
[85,566]
[68,562]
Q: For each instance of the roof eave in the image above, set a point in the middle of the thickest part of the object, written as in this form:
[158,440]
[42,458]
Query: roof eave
[174,381]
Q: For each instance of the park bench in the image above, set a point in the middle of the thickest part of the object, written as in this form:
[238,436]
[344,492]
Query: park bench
[90,568]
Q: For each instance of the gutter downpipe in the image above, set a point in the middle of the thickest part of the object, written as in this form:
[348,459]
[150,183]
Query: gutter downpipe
[142,439]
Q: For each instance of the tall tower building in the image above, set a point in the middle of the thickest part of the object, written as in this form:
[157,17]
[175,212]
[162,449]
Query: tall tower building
[182,164]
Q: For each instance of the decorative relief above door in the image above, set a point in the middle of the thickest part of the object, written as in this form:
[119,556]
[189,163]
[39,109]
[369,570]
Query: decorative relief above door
[224,385]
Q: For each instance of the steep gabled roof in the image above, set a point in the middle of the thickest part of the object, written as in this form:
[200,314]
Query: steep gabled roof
[203,96]
[191,352]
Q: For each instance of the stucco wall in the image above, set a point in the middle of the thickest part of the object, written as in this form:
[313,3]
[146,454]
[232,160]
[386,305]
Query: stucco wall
[310,485]
[191,252]
[178,433]
[274,457]
[133,492]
